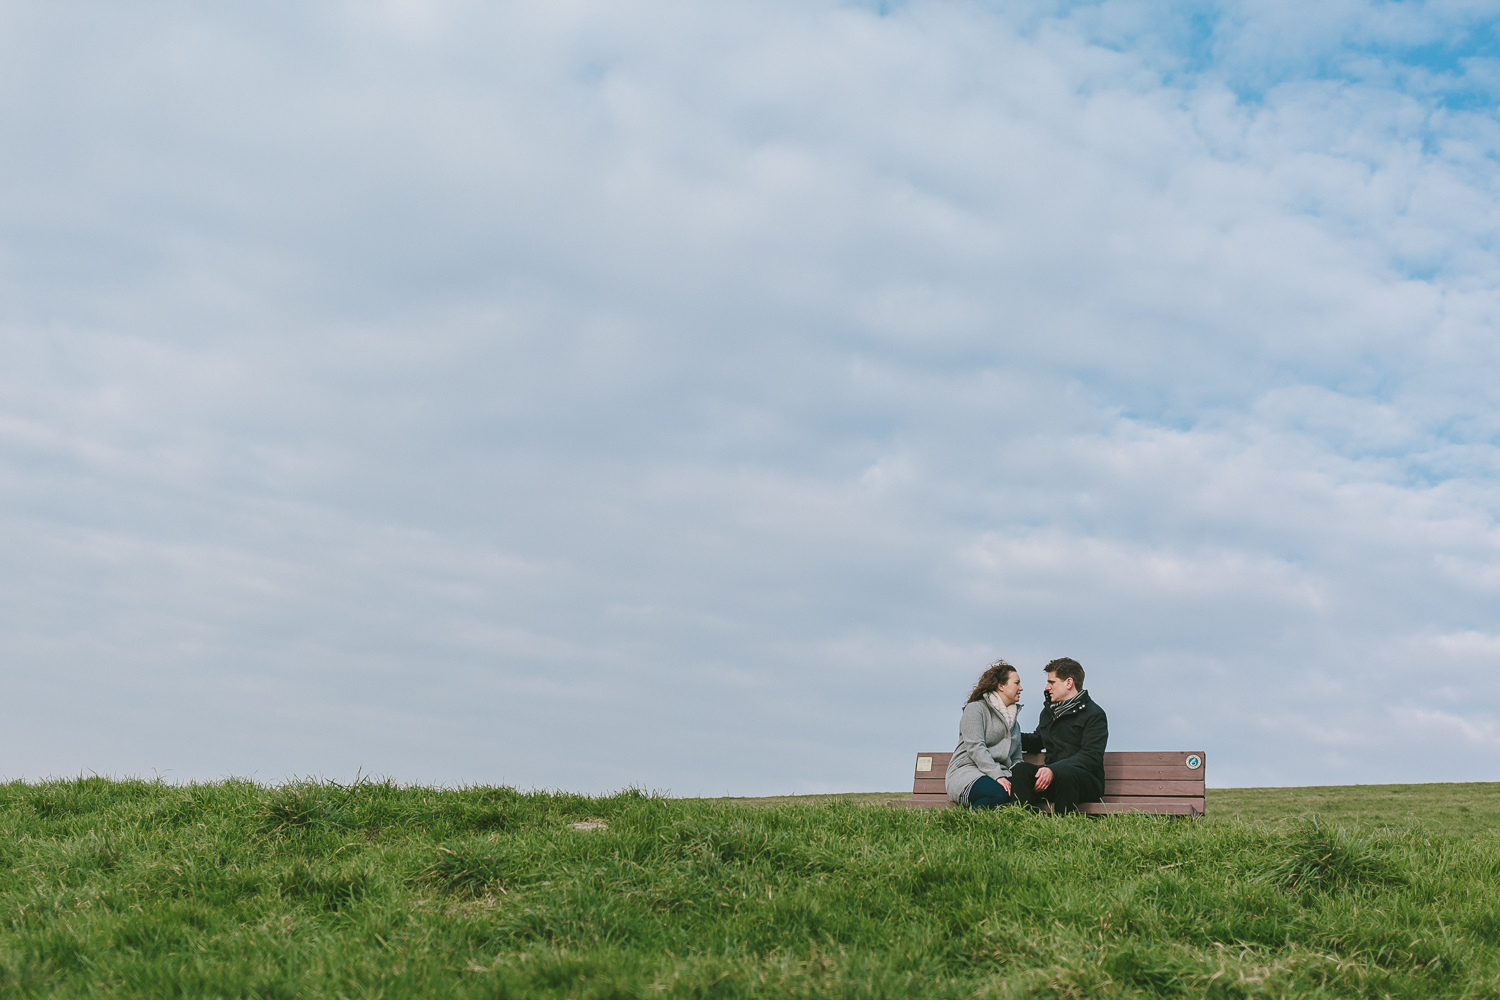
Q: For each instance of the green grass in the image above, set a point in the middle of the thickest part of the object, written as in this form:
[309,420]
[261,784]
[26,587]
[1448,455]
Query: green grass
[234,889]
[1473,807]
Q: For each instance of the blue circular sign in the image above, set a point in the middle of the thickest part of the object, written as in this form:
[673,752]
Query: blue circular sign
[1194,762]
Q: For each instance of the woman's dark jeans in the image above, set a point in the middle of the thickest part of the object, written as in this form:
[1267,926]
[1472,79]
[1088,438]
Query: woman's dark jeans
[987,793]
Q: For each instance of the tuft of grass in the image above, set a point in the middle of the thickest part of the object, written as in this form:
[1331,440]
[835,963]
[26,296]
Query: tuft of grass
[1315,857]
[471,870]
[304,806]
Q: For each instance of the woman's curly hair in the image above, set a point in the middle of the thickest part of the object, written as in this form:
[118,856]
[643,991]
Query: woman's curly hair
[991,679]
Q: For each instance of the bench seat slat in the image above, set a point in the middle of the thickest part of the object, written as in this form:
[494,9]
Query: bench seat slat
[941,796]
[1153,757]
[1179,807]
[1192,788]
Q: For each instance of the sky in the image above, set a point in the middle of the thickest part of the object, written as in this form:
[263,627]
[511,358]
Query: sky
[696,397]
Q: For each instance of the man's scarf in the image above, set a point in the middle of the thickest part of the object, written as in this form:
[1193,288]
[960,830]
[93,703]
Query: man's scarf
[1069,707]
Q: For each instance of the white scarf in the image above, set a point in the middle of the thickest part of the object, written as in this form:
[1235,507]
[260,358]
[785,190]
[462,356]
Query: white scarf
[1007,712]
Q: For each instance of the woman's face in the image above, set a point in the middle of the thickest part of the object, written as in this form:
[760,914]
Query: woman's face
[1010,691]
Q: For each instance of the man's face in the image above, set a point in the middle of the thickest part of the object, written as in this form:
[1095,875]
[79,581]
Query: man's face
[1060,690]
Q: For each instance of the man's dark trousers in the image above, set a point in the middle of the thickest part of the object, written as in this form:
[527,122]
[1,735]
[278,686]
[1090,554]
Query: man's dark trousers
[1074,735]
[1071,784]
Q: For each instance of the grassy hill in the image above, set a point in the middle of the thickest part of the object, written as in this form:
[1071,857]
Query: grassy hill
[315,890]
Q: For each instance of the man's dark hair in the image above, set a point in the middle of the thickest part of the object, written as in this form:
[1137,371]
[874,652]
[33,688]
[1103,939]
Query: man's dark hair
[1067,668]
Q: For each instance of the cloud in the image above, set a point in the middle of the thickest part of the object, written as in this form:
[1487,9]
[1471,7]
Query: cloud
[584,395]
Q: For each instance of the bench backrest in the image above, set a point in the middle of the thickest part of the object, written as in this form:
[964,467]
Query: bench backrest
[1155,781]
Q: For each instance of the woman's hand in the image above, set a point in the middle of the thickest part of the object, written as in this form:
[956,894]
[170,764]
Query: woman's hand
[1005,784]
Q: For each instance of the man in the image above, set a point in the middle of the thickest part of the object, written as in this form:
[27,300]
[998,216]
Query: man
[1073,730]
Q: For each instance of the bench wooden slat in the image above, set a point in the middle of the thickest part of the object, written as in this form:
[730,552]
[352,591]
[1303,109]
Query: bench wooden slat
[1185,789]
[1171,807]
[938,764]
[1158,772]
[1180,807]
[1154,757]
[1122,787]
[1112,757]
[1112,768]
[926,801]
[1152,798]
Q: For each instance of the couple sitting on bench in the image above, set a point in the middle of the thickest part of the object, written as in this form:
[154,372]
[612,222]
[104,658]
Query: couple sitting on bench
[987,771]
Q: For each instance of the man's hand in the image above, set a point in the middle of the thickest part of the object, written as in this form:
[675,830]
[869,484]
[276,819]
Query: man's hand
[1043,778]
[1005,784]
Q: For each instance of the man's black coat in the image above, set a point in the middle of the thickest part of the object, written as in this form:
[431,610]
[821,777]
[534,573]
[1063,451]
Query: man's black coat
[1078,738]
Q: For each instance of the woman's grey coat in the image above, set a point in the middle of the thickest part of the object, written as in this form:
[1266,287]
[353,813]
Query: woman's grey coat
[986,746]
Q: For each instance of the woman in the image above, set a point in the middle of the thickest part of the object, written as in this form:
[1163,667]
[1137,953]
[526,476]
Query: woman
[989,741]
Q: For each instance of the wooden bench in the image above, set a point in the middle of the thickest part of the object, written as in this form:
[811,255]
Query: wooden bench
[1153,781]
